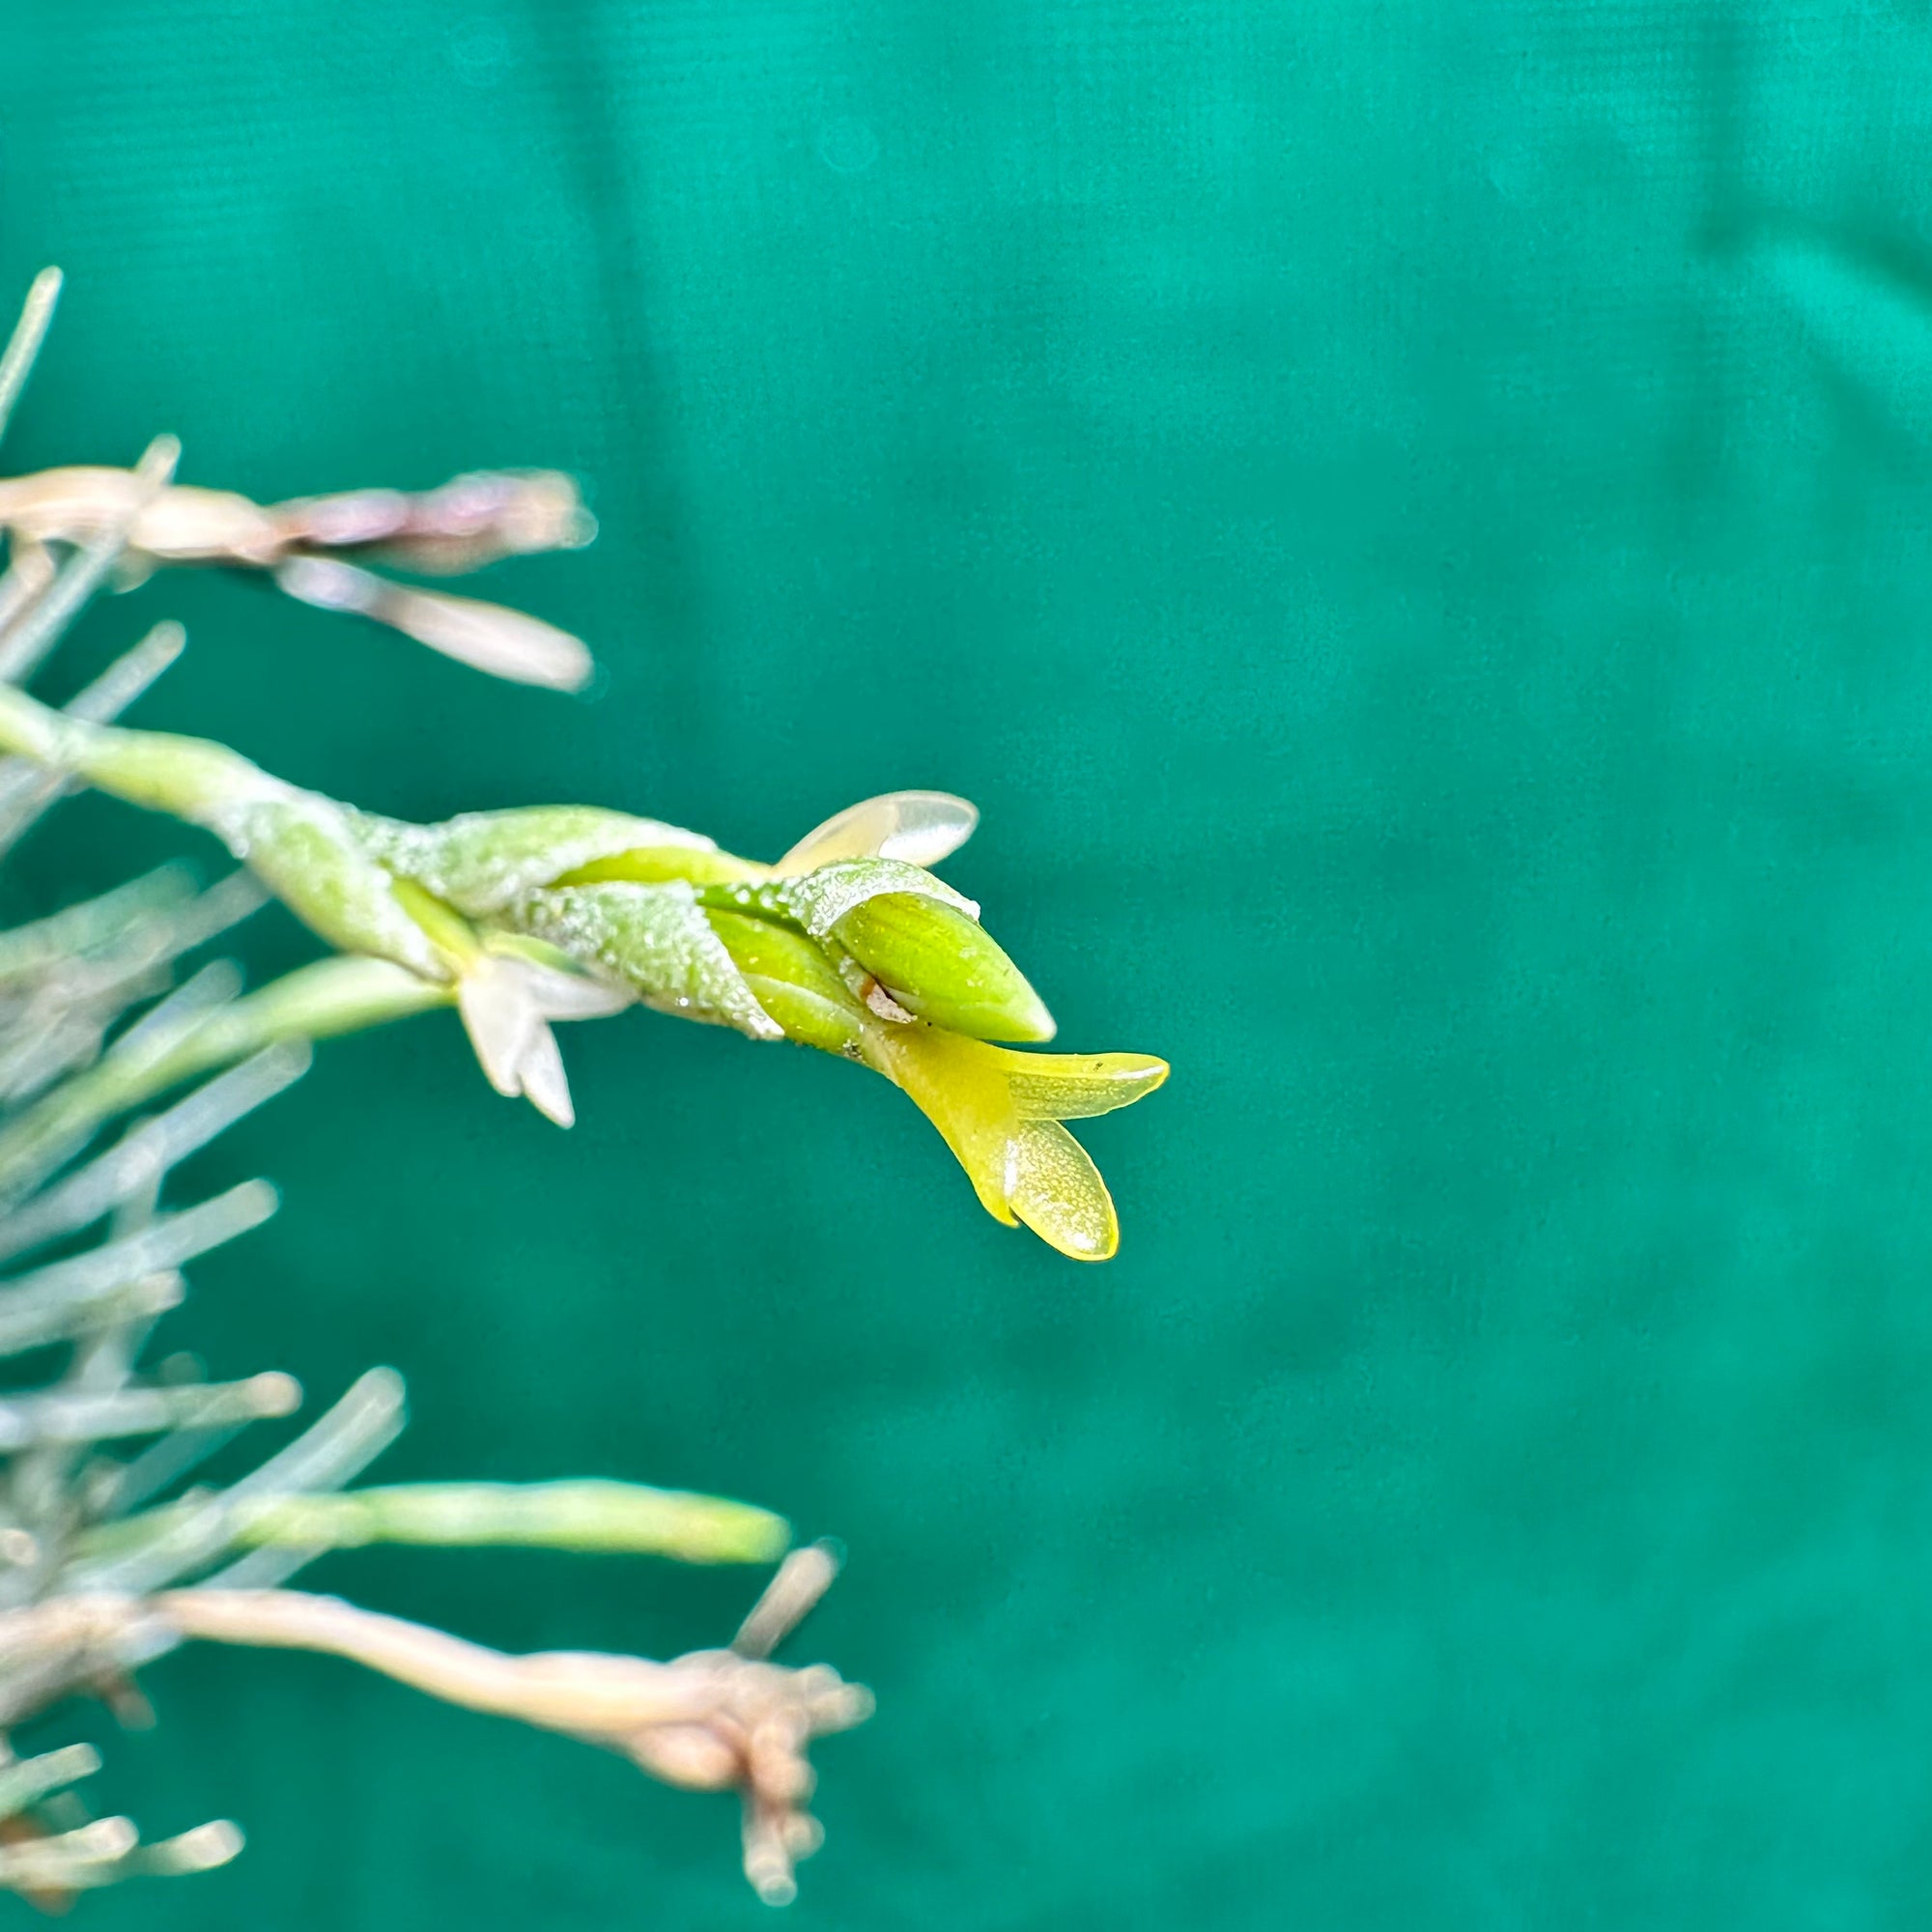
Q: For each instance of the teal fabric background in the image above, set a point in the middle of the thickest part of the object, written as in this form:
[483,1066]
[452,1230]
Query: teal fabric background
[1416,527]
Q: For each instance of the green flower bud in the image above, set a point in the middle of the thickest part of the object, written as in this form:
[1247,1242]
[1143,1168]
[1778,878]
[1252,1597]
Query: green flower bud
[942,965]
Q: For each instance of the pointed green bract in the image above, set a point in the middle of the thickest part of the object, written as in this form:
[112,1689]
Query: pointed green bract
[659,864]
[794,982]
[818,900]
[303,848]
[657,940]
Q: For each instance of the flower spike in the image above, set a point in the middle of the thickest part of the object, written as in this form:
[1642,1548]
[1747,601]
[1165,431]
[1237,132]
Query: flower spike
[571,911]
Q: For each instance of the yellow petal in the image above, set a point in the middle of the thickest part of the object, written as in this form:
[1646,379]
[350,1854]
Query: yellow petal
[1023,1167]
[1077,1086]
[1058,1192]
[958,1085]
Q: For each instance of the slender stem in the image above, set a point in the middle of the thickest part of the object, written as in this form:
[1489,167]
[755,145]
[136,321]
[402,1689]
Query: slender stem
[332,995]
[26,789]
[16,364]
[576,1692]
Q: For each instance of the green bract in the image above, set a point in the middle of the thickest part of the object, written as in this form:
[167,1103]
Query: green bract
[571,911]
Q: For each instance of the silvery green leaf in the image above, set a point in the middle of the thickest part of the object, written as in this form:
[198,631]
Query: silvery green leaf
[572,1514]
[26,1780]
[17,362]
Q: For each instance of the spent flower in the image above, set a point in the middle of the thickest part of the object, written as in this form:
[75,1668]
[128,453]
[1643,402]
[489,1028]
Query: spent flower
[466,524]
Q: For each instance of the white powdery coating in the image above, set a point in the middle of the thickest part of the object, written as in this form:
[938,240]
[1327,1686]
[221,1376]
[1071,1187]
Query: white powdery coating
[483,861]
[655,939]
[304,848]
[820,899]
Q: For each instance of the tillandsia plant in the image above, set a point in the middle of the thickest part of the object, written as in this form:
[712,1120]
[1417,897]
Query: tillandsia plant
[847,943]
[110,1553]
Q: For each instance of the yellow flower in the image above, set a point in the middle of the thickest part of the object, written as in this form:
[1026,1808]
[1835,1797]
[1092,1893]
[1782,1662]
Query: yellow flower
[1001,1112]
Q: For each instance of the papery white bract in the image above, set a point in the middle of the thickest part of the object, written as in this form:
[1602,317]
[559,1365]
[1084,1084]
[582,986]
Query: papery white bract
[919,827]
[507,1000]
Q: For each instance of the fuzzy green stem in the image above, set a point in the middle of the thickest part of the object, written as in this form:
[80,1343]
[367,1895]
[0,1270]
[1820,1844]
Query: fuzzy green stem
[186,777]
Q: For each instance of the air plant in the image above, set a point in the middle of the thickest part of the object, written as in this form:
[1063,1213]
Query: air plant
[847,943]
[110,1554]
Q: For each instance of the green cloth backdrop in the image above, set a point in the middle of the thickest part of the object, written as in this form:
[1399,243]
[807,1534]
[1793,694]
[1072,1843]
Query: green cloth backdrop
[1415,524]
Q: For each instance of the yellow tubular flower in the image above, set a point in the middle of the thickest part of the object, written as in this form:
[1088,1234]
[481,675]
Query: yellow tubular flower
[1001,1112]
